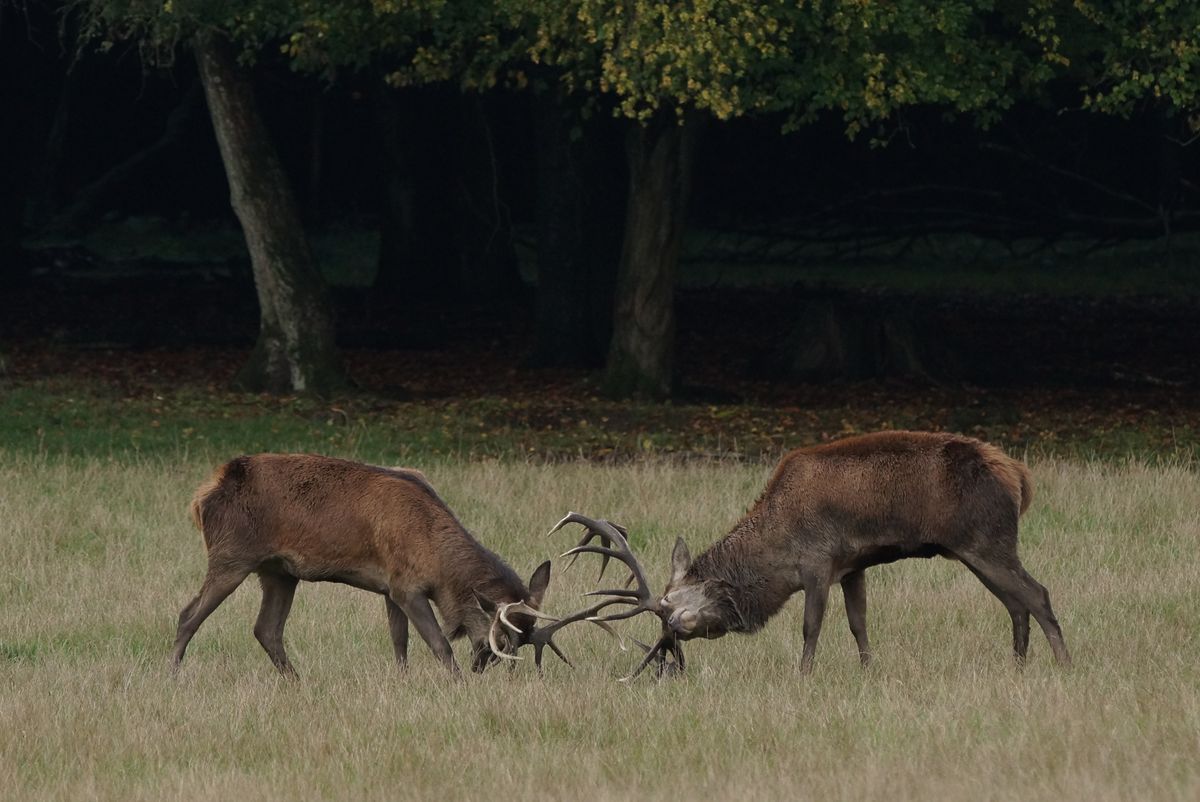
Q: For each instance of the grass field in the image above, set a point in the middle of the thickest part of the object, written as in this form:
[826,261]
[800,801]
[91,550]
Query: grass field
[99,555]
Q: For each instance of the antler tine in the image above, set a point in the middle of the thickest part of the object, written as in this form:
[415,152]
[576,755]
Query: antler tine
[544,636]
[495,646]
[521,607]
[657,651]
[615,546]
[593,531]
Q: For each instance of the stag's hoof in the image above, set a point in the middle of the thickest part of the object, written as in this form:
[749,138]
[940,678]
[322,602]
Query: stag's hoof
[669,670]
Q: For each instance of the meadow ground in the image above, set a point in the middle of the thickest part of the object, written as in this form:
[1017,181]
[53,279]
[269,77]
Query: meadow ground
[99,555]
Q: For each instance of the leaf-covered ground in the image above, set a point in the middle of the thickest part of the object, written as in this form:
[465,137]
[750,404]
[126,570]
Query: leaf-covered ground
[94,361]
[457,404]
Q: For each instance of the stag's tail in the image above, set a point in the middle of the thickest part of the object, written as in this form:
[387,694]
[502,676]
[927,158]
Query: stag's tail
[207,495]
[1026,485]
[201,496]
[1012,473]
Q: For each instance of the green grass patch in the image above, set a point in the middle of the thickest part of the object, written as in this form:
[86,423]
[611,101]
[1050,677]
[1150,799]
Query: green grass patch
[92,418]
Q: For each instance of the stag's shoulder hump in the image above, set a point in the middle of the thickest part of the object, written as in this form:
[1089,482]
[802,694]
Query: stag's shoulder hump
[877,444]
[936,450]
[303,469]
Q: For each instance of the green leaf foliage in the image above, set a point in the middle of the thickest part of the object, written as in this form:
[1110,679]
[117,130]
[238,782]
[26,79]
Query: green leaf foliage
[1135,53]
[864,59]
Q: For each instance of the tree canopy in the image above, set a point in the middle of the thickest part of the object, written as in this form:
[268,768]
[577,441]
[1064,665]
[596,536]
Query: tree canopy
[864,59]
[1132,53]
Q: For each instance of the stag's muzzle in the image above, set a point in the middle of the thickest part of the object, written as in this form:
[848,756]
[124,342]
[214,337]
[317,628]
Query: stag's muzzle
[682,622]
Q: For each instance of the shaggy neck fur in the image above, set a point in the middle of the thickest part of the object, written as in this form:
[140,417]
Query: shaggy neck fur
[481,571]
[750,577]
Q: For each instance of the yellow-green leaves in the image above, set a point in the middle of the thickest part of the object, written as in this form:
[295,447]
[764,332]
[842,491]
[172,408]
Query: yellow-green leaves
[866,58]
[1132,51]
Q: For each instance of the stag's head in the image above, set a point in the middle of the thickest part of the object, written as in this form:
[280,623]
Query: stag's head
[694,607]
[508,625]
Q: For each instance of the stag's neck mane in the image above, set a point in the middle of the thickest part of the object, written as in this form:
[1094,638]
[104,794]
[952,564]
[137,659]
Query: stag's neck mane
[756,589]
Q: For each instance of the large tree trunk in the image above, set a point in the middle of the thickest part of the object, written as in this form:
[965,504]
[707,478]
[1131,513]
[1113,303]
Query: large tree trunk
[295,351]
[577,252]
[660,166]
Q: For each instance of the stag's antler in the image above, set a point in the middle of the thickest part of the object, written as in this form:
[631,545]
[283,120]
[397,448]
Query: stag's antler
[613,545]
[502,618]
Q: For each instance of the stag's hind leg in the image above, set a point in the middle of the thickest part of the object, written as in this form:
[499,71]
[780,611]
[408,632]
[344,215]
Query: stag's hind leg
[1037,599]
[221,580]
[278,591]
[398,627]
[1011,578]
[854,589]
[1018,611]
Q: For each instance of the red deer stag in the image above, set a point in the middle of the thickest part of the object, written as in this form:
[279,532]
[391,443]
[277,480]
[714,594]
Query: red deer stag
[296,516]
[828,513]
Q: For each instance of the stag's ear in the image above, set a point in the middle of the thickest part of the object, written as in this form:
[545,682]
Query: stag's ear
[538,583]
[681,561]
[484,603]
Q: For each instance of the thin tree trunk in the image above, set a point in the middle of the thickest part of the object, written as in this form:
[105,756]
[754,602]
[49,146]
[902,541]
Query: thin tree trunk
[295,351]
[487,257]
[660,162]
[44,190]
[400,266]
[564,319]
[316,155]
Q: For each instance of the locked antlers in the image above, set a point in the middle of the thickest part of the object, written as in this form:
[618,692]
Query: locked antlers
[640,599]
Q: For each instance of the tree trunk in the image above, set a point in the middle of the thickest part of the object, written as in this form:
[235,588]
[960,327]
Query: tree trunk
[660,162]
[840,336]
[401,267]
[572,265]
[295,351]
[316,157]
[43,198]
[483,229]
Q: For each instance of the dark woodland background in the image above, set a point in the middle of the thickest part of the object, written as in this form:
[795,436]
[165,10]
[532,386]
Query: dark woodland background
[1049,260]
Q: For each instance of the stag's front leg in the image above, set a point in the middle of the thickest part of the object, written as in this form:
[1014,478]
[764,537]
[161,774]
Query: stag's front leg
[854,589]
[816,593]
[416,607]
[398,628]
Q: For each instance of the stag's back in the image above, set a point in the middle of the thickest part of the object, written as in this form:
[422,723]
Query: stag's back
[325,517]
[907,486]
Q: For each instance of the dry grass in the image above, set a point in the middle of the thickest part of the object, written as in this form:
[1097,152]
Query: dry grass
[99,556]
